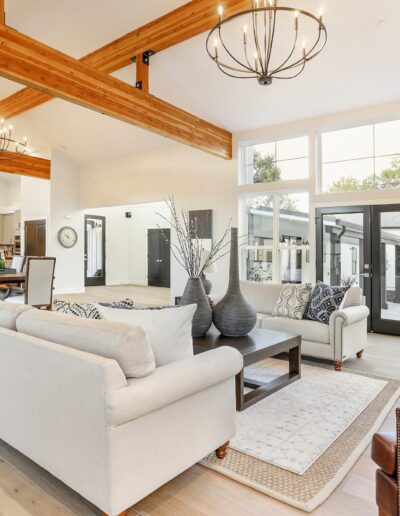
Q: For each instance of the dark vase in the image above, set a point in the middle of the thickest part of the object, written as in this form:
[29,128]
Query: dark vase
[194,294]
[233,315]
[206,284]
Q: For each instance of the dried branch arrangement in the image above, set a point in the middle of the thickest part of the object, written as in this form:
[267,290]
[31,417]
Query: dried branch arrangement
[188,251]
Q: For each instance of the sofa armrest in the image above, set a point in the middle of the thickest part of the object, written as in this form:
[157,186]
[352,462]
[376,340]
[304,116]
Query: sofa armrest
[349,315]
[384,451]
[171,383]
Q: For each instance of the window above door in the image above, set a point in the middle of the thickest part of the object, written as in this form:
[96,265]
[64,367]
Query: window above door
[360,158]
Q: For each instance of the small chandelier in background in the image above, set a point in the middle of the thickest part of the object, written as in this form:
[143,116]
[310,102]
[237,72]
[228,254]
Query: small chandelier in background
[9,147]
[256,55]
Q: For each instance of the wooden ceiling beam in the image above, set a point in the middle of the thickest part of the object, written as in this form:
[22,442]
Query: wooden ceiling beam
[25,60]
[183,23]
[142,71]
[2,12]
[24,165]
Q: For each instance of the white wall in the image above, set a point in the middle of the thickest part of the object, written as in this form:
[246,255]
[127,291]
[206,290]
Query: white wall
[126,240]
[197,181]
[34,203]
[65,211]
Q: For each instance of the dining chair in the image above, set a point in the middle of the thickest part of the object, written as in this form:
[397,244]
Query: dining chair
[18,263]
[38,289]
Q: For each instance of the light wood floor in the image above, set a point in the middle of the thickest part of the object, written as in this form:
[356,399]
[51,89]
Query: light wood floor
[199,491]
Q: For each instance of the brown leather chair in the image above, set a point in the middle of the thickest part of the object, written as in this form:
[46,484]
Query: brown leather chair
[384,453]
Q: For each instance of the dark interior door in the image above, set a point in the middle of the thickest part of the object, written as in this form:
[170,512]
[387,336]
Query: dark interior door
[35,238]
[158,257]
[95,250]
[386,269]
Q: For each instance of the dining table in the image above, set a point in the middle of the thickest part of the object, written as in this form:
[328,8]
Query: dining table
[9,276]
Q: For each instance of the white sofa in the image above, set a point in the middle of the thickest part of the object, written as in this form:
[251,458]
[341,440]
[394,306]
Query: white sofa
[345,336]
[113,440]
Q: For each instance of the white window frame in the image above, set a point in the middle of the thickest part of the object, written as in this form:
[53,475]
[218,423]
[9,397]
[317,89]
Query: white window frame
[243,179]
[276,246]
[340,127]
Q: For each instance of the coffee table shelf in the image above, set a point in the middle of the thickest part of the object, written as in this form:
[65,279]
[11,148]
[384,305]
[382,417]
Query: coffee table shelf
[258,345]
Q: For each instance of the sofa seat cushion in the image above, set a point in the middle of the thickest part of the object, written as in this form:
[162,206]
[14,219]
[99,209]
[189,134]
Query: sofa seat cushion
[10,312]
[127,344]
[309,330]
[169,329]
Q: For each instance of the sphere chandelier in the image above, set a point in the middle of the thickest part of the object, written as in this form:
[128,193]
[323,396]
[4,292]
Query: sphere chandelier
[244,45]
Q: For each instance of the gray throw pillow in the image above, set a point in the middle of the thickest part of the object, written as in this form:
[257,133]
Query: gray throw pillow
[293,300]
[324,301]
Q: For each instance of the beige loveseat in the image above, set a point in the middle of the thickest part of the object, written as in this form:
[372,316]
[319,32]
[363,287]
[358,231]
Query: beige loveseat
[113,440]
[343,337]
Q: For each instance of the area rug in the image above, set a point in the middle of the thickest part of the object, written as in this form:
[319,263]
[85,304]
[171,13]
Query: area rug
[299,444]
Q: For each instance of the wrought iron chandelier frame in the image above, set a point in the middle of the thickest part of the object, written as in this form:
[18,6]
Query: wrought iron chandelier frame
[261,69]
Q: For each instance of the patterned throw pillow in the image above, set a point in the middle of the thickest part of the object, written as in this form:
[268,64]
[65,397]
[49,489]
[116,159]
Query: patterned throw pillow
[292,301]
[124,303]
[324,301]
[88,310]
[85,310]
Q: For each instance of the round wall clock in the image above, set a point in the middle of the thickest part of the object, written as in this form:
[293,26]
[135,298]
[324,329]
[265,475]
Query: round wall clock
[67,237]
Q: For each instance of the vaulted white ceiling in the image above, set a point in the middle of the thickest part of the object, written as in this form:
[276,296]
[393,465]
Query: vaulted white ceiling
[359,67]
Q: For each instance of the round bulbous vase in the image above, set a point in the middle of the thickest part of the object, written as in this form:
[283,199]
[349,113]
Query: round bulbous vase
[194,294]
[233,316]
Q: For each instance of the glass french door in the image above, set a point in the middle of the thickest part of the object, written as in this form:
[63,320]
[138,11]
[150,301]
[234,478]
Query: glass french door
[95,254]
[386,271]
[360,245]
[344,247]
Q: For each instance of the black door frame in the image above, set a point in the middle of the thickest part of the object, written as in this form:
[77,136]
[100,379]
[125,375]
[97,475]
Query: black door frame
[386,326]
[368,267]
[95,282]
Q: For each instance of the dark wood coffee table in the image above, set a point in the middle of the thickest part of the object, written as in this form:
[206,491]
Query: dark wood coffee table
[256,346]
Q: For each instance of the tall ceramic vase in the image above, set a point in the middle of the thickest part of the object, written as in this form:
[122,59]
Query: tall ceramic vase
[195,294]
[233,315]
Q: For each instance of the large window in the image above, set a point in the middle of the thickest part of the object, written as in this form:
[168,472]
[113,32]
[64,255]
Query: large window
[277,247]
[273,161]
[361,158]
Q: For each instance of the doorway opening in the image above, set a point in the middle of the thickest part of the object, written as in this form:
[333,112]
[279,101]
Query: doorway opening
[126,247]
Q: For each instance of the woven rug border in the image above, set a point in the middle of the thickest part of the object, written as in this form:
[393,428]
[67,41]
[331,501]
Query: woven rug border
[308,491]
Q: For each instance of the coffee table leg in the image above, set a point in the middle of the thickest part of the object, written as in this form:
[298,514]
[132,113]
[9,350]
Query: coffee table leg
[240,391]
[295,361]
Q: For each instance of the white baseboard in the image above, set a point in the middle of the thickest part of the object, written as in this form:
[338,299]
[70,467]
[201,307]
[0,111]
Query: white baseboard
[70,290]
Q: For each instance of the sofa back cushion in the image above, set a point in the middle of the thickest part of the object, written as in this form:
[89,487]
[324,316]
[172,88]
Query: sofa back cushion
[169,329]
[353,297]
[262,296]
[127,344]
[9,312]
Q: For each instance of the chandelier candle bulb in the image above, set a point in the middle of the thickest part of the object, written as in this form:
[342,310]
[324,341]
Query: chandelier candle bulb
[220,12]
[321,13]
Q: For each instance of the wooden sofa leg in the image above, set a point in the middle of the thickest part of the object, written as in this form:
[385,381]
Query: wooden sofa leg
[124,513]
[360,353]
[222,450]
[338,365]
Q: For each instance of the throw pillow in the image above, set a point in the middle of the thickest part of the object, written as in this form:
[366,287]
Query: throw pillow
[292,301]
[127,344]
[85,310]
[169,329]
[124,303]
[324,301]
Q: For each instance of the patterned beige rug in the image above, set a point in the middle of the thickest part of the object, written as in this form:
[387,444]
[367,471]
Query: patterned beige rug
[302,460]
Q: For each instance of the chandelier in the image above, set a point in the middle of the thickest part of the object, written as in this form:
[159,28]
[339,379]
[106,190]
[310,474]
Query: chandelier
[244,45]
[10,148]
